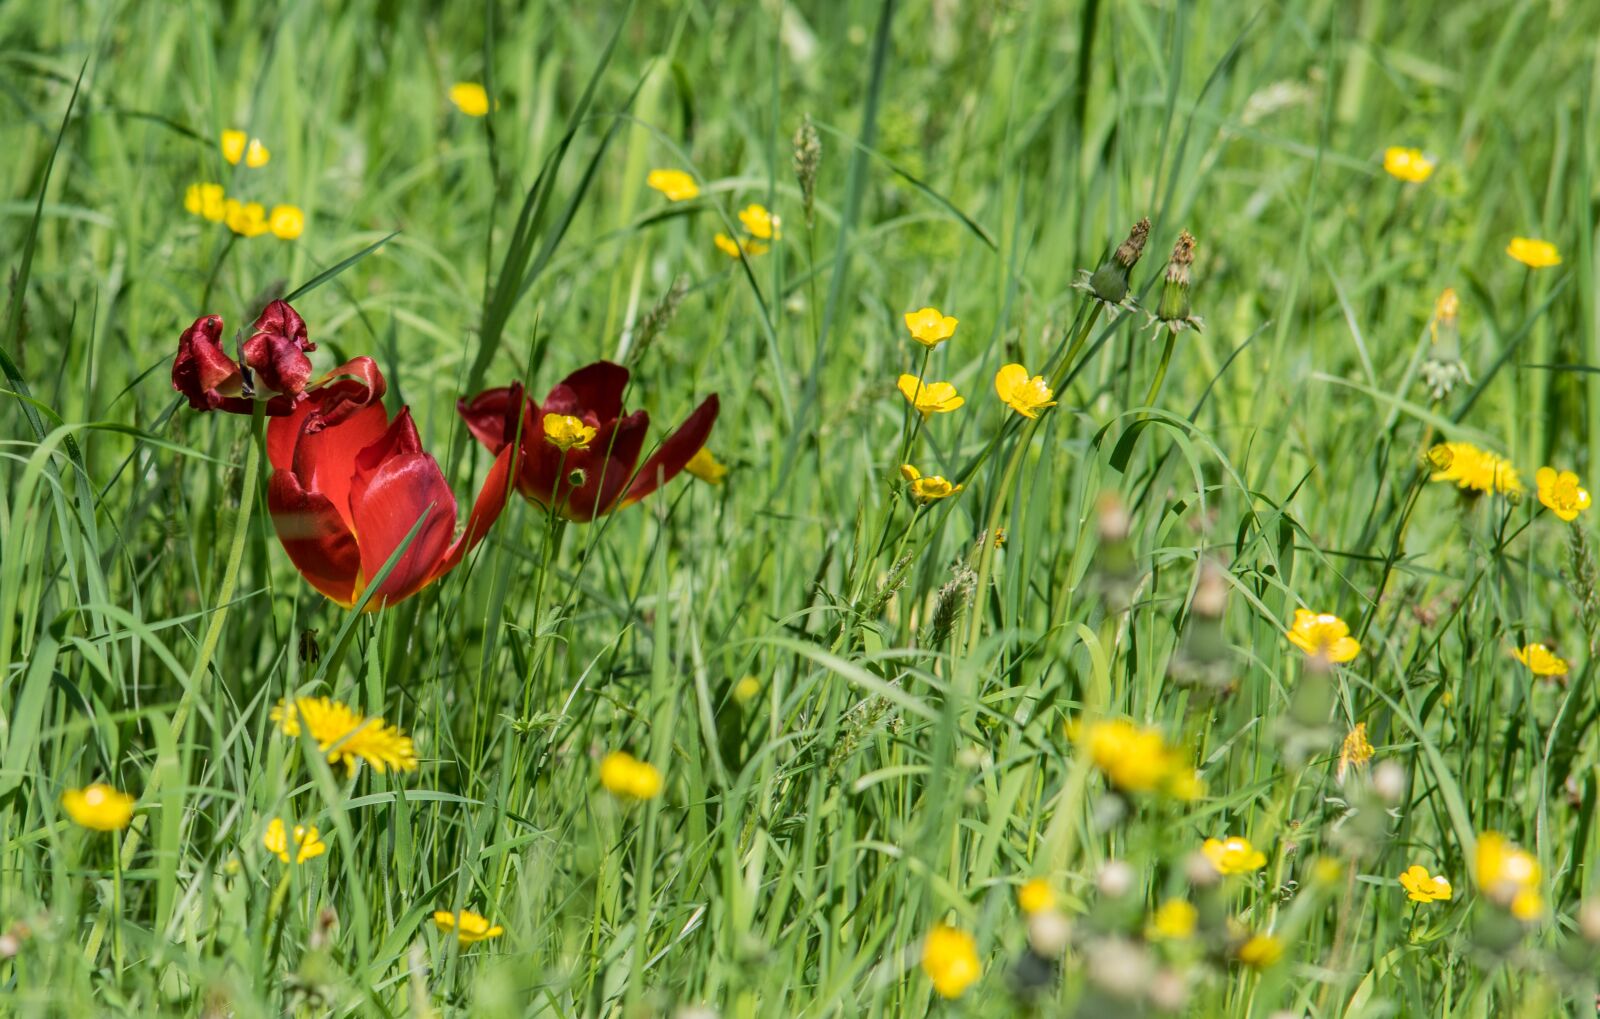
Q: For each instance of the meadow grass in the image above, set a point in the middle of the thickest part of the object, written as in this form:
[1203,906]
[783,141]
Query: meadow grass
[872,716]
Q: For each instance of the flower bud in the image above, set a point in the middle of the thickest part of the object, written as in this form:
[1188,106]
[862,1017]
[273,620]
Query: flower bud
[577,476]
[1110,282]
[1173,310]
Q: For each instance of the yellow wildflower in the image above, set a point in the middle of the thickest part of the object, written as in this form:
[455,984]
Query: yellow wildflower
[1233,854]
[237,145]
[950,958]
[1527,905]
[1561,493]
[1133,758]
[1409,165]
[732,248]
[1173,920]
[760,223]
[706,467]
[1507,874]
[1260,951]
[308,841]
[99,807]
[1533,253]
[1473,468]
[1422,887]
[1027,396]
[470,98]
[930,327]
[746,689]
[566,432]
[928,487]
[1036,896]
[1355,751]
[469,927]
[286,222]
[247,219]
[207,200]
[1540,660]
[625,775]
[930,397]
[345,734]
[677,185]
[1323,634]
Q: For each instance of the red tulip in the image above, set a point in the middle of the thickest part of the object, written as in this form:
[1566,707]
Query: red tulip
[348,485]
[275,363]
[593,477]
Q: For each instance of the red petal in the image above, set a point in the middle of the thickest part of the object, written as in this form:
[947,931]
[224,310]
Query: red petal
[675,451]
[348,388]
[607,466]
[491,502]
[315,537]
[491,415]
[276,348]
[396,484]
[594,389]
[201,371]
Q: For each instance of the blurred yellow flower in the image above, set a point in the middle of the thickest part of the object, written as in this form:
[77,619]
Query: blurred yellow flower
[1540,660]
[346,735]
[1233,855]
[247,219]
[1407,164]
[1355,751]
[286,222]
[928,487]
[1323,634]
[1475,469]
[930,397]
[207,200]
[1133,758]
[625,775]
[566,432]
[746,689]
[1507,875]
[730,247]
[677,185]
[760,223]
[1027,396]
[706,467]
[1173,920]
[307,839]
[99,807]
[930,327]
[1560,492]
[237,145]
[468,926]
[1036,896]
[1423,887]
[950,958]
[1533,253]
[1260,951]
[470,98]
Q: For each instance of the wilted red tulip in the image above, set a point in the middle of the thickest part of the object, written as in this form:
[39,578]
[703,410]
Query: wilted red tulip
[578,449]
[274,356]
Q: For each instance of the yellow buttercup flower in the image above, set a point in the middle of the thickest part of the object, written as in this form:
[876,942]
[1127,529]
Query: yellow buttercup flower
[950,958]
[1422,887]
[1133,758]
[1260,951]
[468,926]
[346,735]
[237,145]
[1173,920]
[286,222]
[1036,896]
[930,397]
[928,487]
[1323,634]
[1027,396]
[677,185]
[1474,469]
[566,432]
[1527,905]
[1560,492]
[1233,855]
[1541,661]
[732,248]
[1507,874]
[247,219]
[308,841]
[746,689]
[930,327]
[1409,165]
[207,200]
[625,775]
[1355,751]
[1533,253]
[99,807]
[706,467]
[760,223]
[470,98]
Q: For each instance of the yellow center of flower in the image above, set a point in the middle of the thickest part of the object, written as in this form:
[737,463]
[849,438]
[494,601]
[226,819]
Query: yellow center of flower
[566,432]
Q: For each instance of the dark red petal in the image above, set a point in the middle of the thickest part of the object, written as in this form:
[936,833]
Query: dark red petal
[201,371]
[491,415]
[396,484]
[486,510]
[353,385]
[675,451]
[596,389]
[607,469]
[315,537]
[276,350]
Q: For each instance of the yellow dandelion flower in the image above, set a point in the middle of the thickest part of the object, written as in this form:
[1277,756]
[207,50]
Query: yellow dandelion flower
[1409,165]
[677,185]
[98,807]
[1233,854]
[566,432]
[1474,469]
[950,959]
[1355,751]
[1423,887]
[1560,492]
[759,223]
[930,397]
[1173,920]
[1036,896]
[706,467]
[746,689]
[346,735]
[1027,396]
[928,487]
[1260,951]
[1541,661]
[930,327]
[1533,253]
[470,98]
[625,775]
[307,840]
[1323,634]
[286,222]
[469,927]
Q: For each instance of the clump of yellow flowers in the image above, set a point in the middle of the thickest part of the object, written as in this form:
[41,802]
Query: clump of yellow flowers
[307,841]
[625,775]
[1508,876]
[950,959]
[1137,759]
